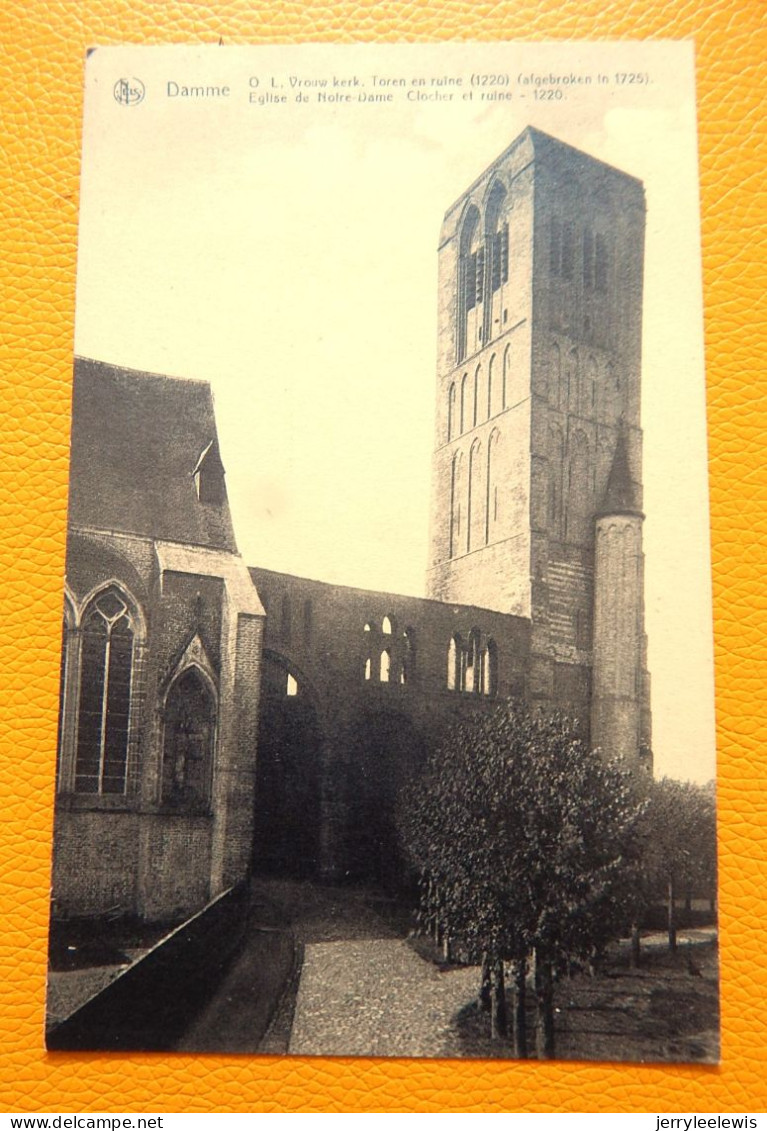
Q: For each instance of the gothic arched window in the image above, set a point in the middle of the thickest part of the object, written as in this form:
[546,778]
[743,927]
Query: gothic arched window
[505,384]
[491,494]
[497,244]
[464,405]
[106,664]
[471,273]
[474,498]
[490,376]
[456,494]
[385,666]
[189,736]
[451,411]
[455,668]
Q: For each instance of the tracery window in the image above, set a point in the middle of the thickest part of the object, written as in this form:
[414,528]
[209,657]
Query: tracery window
[107,638]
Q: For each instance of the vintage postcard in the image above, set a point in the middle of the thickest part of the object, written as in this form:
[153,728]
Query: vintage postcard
[386,716]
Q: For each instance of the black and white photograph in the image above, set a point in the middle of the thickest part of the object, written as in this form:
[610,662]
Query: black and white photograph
[387,709]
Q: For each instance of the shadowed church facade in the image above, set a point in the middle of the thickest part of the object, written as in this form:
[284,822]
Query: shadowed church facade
[217,719]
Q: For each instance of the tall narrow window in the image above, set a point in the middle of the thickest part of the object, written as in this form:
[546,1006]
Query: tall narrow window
[500,269]
[473,498]
[505,388]
[475,409]
[454,664]
[471,267]
[491,494]
[190,721]
[456,496]
[101,759]
[386,626]
[451,411]
[473,677]
[490,669]
[490,376]
[385,667]
[464,404]
[497,268]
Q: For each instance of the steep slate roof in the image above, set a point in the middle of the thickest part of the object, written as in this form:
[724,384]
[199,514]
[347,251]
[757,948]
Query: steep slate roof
[136,441]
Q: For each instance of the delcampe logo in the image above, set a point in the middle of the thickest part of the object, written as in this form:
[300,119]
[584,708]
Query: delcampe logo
[129,92]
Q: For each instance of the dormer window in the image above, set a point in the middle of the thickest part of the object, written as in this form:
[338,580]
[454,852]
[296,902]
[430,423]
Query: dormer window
[209,476]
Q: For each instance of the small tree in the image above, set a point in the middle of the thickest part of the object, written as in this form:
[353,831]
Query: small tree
[524,843]
[679,843]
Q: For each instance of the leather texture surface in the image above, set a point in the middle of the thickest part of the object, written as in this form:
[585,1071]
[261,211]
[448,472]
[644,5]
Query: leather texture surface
[44,42]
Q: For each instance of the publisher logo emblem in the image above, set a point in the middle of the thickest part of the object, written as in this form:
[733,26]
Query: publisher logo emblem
[129,92]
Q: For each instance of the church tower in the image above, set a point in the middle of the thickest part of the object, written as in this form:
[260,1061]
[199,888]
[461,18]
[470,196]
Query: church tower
[538,386]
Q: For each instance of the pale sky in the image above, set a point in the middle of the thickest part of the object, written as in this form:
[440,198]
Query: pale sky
[286,252]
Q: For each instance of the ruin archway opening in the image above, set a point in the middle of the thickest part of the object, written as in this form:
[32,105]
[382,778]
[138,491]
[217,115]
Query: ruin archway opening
[287,816]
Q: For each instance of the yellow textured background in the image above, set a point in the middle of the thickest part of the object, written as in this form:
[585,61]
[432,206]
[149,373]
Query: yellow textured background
[43,45]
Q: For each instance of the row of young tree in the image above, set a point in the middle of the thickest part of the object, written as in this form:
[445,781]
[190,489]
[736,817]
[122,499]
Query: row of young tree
[533,853]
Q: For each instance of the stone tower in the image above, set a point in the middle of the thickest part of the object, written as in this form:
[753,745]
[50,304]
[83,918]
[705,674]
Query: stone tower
[538,398]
